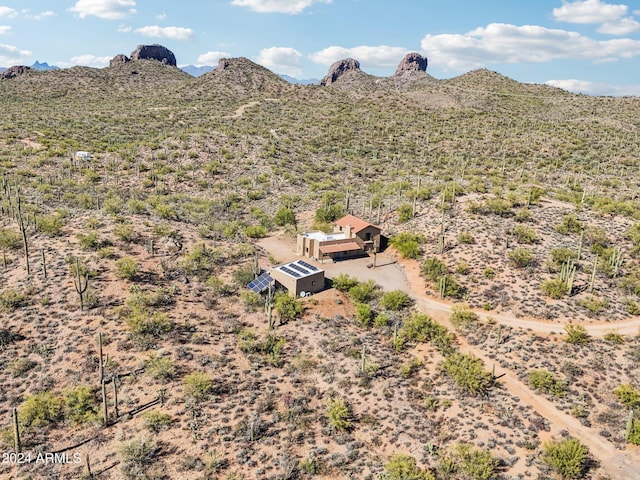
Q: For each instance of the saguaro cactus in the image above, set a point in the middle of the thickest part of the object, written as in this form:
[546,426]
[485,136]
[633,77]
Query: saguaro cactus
[363,359]
[100,361]
[16,431]
[615,261]
[567,274]
[105,406]
[593,274]
[80,281]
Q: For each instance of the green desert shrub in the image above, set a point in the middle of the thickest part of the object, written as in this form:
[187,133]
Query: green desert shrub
[126,268]
[405,213]
[452,289]
[628,395]
[10,239]
[403,467]
[11,299]
[462,317]
[142,322]
[567,457]
[433,268]
[339,414]
[472,463]
[546,382]
[90,241]
[125,232]
[554,288]
[395,300]
[156,421]
[524,234]
[288,307]
[200,261]
[422,328]
[50,225]
[137,456]
[161,368]
[255,231]
[569,224]
[364,315]
[597,239]
[198,386]
[468,373]
[284,216]
[576,334]
[20,366]
[466,238]
[520,257]
[614,337]
[363,291]
[593,304]
[408,244]
[561,255]
[329,213]
[81,405]
[344,282]
[41,409]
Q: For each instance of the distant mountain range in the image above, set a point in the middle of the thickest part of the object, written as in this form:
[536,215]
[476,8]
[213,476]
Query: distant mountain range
[196,71]
[192,70]
[37,66]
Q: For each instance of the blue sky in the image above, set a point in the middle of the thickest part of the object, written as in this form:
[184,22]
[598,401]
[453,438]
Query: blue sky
[588,46]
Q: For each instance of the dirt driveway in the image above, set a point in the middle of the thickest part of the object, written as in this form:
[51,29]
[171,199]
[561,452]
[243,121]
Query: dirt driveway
[389,274]
[405,275]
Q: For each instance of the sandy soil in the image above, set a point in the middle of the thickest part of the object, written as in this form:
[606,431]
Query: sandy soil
[404,275]
[392,274]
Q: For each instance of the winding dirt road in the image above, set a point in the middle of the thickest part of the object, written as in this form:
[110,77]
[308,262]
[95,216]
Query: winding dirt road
[405,275]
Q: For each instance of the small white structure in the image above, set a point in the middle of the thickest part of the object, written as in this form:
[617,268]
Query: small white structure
[82,155]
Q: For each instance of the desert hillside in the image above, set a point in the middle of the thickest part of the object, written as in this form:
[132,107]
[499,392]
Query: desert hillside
[497,337]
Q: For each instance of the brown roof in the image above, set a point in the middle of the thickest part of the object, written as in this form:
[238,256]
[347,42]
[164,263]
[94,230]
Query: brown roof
[357,224]
[340,247]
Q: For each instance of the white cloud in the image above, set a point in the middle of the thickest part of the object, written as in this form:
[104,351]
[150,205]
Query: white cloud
[108,9]
[124,29]
[589,11]
[623,26]
[368,56]
[212,58]
[504,43]
[10,55]
[8,12]
[90,60]
[45,14]
[284,60]
[175,33]
[4,48]
[161,16]
[277,6]
[591,88]
[5,29]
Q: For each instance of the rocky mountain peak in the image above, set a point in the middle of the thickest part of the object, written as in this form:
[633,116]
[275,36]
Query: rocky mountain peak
[154,52]
[119,60]
[339,68]
[14,71]
[412,62]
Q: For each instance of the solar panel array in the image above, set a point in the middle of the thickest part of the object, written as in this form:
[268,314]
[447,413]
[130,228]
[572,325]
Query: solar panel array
[260,283]
[297,267]
[308,266]
[290,272]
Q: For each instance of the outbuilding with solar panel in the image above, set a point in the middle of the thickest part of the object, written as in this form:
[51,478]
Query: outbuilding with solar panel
[299,277]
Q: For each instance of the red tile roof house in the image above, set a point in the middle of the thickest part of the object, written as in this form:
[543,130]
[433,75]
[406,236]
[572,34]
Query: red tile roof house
[352,237]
